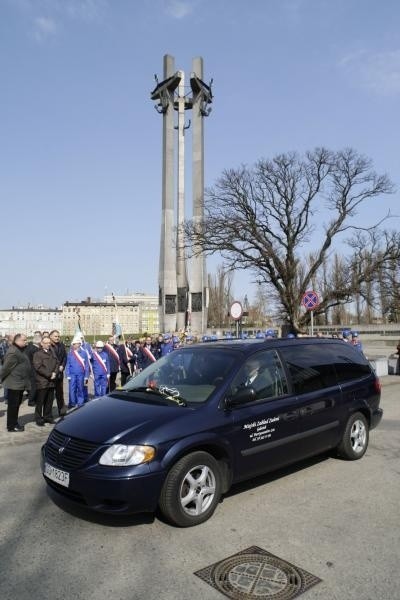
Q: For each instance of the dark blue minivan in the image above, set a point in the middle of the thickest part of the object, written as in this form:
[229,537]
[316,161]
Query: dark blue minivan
[177,435]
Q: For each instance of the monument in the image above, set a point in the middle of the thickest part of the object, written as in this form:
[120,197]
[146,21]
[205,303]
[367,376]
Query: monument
[182,290]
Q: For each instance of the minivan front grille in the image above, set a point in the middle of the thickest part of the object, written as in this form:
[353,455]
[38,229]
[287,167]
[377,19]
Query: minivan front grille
[68,452]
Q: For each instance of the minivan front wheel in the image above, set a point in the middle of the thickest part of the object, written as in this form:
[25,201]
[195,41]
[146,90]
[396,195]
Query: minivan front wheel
[191,490]
[355,438]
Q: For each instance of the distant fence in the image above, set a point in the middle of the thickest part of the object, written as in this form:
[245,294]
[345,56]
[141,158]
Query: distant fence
[389,329]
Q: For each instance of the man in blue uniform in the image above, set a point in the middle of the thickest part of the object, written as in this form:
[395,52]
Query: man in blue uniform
[86,347]
[77,371]
[168,345]
[101,369]
[355,341]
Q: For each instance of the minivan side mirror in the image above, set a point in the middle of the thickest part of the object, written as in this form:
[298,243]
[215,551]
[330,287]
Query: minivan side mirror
[242,396]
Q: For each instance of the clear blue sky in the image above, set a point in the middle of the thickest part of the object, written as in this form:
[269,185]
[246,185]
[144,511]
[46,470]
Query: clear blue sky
[80,150]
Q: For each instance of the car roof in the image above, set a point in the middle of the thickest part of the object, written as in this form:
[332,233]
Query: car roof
[251,345]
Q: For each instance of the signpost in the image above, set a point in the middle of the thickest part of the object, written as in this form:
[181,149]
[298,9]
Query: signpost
[310,301]
[236,312]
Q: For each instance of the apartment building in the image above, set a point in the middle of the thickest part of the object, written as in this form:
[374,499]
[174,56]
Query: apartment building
[29,319]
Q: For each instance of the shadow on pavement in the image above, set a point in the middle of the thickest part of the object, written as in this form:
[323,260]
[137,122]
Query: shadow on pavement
[259,480]
[86,514]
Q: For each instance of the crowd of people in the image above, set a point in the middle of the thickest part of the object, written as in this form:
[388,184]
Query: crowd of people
[39,367]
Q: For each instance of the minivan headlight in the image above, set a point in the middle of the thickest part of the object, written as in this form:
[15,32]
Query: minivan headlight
[119,455]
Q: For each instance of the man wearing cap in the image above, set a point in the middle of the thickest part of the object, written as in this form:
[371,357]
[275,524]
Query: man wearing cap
[176,342]
[168,345]
[77,371]
[346,335]
[101,369]
[355,341]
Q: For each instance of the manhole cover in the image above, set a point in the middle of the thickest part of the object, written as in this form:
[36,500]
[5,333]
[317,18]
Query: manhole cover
[255,573]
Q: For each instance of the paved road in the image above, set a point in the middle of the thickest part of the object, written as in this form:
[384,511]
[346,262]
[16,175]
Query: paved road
[338,520]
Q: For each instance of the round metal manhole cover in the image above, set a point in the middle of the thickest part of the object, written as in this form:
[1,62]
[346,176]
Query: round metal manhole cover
[258,574]
[255,576]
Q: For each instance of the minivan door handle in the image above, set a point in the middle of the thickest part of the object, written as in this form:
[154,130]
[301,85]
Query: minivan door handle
[291,416]
[306,410]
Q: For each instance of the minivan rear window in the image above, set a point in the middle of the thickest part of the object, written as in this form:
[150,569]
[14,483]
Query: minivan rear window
[319,366]
[349,363]
[311,367]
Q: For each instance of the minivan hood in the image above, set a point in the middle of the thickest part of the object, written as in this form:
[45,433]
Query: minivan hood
[108,419]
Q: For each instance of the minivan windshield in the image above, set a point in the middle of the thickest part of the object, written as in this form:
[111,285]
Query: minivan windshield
[185,375]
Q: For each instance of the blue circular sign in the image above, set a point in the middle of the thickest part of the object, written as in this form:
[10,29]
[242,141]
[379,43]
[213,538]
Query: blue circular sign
[310,300]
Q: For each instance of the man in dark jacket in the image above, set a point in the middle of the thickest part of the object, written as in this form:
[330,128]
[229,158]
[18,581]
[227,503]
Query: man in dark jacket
[126,361]
[59,351]
[147,354]
[16,377]
[46,366]
[111,348]
[31,348]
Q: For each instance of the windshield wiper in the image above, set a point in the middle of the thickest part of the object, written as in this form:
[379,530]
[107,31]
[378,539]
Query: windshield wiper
[164,391]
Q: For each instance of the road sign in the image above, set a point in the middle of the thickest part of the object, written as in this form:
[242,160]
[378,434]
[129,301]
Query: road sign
[236,311]
[310,300]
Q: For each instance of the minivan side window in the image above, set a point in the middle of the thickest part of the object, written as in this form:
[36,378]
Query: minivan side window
[311,367]
[263,372]
[350,363]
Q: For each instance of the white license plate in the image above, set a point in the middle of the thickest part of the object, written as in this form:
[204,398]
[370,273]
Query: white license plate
[57,475]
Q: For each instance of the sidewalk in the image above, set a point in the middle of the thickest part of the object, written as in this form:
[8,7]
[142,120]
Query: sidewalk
[26,417]
[33,433]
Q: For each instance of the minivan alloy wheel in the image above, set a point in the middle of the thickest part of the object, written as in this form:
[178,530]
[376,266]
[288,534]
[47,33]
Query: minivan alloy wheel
[191,490]
[355,437]
[197,490]
[358,436]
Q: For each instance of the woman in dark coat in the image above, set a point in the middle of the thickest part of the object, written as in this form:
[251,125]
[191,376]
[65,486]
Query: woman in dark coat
[16,377]
[46,366]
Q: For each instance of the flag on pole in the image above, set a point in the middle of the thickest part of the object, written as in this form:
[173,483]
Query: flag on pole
[116,329]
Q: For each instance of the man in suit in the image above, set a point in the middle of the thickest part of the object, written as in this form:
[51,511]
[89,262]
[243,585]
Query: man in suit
[59,351]
[46,366]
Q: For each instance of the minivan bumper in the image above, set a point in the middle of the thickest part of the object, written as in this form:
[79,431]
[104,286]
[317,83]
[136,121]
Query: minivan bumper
[116,495]
[376,417]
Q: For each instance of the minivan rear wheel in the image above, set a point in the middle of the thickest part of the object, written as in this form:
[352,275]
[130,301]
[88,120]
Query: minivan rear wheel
[191,490]
[355,438]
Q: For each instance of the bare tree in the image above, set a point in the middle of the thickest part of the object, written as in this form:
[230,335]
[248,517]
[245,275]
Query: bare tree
[259,219]
[338,280]
[220,297]
[258,308]
[388,289]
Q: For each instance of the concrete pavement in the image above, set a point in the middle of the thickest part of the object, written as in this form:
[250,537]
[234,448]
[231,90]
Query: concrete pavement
[336,519]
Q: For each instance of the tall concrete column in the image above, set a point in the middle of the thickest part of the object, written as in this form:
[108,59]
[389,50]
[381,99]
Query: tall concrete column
[175,301]
[167,270]
[198,277]
[181,270]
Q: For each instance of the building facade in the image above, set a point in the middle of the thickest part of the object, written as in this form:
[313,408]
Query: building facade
[27,320]
[97,318]
[148,309]
[136,314]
